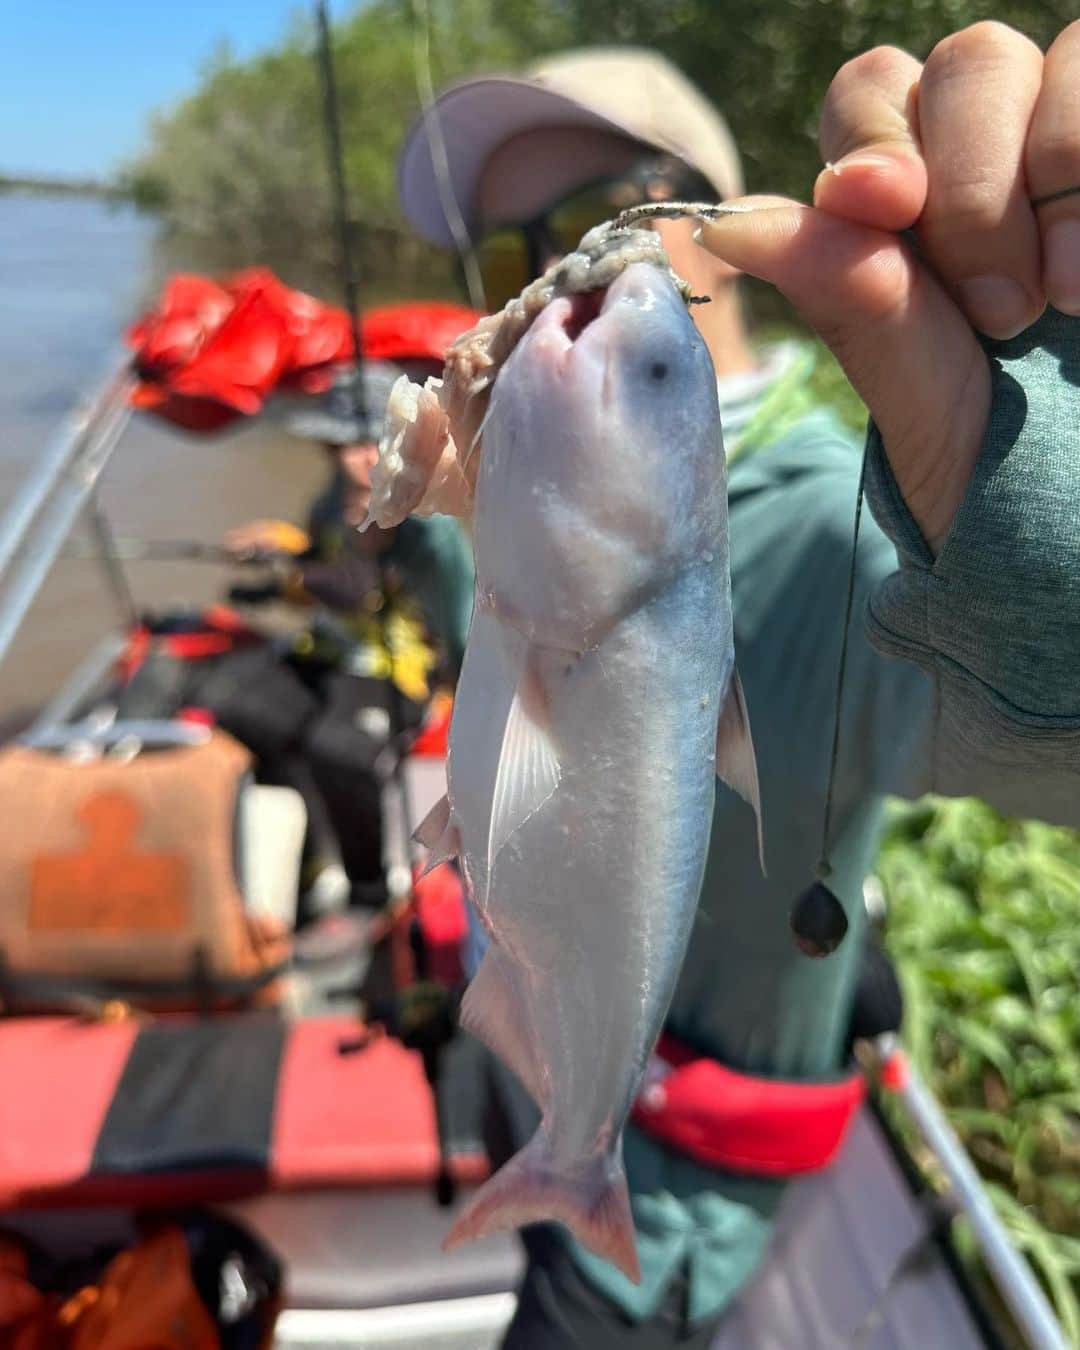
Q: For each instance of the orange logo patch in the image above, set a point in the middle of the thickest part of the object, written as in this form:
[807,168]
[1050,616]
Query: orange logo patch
[110,884]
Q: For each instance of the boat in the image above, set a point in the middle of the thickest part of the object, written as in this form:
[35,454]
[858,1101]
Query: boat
[326,1122]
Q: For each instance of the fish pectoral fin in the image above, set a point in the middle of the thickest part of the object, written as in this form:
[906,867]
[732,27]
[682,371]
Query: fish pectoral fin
[494,1012]
[439,835]
[736,763]
[528,769]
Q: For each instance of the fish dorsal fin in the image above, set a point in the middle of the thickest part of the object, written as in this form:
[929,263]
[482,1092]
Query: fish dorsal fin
[528,771]
[736,763]
[439,835]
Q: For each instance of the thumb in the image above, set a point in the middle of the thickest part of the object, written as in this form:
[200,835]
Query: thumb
[902,342]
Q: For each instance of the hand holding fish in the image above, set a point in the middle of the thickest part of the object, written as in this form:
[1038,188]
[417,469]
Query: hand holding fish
[977,152]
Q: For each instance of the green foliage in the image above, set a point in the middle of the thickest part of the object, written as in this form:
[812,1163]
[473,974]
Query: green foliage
[830,385]
[767,63]
[241,161]
[34,184]
[984,924]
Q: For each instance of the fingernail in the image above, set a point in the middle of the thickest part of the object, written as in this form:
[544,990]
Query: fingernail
[997,306]
[861,159]
[1063,265]
[708,227]
[707,233]
[715,223]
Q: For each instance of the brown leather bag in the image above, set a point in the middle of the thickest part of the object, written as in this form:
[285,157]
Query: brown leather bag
[118,880]
[146,1298]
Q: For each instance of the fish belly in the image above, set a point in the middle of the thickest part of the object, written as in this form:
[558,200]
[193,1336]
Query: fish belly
[590,900]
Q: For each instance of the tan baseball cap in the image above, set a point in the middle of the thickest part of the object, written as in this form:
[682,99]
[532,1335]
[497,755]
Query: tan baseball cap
[630,92]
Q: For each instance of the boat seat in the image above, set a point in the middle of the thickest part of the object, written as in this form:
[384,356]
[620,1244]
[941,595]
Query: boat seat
[194,1110]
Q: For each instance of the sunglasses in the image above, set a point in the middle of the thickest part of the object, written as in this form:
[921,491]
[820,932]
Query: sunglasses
[512,257]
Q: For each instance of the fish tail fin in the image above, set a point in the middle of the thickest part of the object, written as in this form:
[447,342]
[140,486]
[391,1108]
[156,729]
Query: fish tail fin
[593,1202]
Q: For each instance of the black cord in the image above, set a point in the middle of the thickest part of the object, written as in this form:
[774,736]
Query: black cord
[332,118]
[824,866]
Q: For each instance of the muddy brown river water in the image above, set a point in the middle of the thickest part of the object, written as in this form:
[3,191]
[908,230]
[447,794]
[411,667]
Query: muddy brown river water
[73,273]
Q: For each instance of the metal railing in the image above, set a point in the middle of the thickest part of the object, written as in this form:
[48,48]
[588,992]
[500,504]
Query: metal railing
[46,508]
[1008,1269]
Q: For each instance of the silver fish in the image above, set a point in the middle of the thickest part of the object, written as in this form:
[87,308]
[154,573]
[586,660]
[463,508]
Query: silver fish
[598,697]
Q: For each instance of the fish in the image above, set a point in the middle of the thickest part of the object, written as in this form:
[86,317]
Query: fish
[579,432]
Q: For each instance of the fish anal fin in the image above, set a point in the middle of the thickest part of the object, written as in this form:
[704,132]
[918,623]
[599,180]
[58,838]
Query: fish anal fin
[448,848]
[592,1201]
[528,768]
[433,826]
[736,763]
[439,835]
[492,1010]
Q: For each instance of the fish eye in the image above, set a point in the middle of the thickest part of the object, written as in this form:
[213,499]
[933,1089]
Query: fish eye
[658,370]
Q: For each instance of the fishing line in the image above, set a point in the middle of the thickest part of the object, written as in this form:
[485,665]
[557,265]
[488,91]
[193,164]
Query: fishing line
[817,918]
[440,160]
[824,867]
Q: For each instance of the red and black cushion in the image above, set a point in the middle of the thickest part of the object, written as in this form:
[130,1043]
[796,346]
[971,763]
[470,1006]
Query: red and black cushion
[201,1110]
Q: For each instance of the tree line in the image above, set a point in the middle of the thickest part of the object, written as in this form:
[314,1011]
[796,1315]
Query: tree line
[241,160]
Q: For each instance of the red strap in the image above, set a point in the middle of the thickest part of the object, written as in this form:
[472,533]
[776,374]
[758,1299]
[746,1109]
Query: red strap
[738,1123]
[431,740]
[134,654]
[440,910]
[198,646]
[894,1072]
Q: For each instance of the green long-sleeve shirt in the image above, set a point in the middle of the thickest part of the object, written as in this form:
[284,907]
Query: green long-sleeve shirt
[985,701]
[435,561]
[431,556]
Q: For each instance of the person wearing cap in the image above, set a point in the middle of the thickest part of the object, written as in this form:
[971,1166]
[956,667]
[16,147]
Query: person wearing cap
[968,571]
[397,603]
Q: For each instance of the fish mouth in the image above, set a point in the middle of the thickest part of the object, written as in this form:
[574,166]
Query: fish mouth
[554,337]
[570,328]
[580,311]
[640,285]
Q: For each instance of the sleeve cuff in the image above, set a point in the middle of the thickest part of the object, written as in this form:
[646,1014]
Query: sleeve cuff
[1000,604]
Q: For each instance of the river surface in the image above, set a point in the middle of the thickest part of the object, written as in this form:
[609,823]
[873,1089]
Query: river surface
[73,273]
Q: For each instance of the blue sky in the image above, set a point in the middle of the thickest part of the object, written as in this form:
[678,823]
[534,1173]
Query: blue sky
[78,77]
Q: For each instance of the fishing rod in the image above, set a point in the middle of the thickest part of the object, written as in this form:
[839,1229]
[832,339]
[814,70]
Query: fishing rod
[131,548]
[427,1034]
[126,548]
[336,158]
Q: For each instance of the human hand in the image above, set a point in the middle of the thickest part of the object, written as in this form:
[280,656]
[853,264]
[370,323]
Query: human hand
[959,150]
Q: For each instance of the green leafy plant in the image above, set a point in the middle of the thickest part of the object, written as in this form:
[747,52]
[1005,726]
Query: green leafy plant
[984,925]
